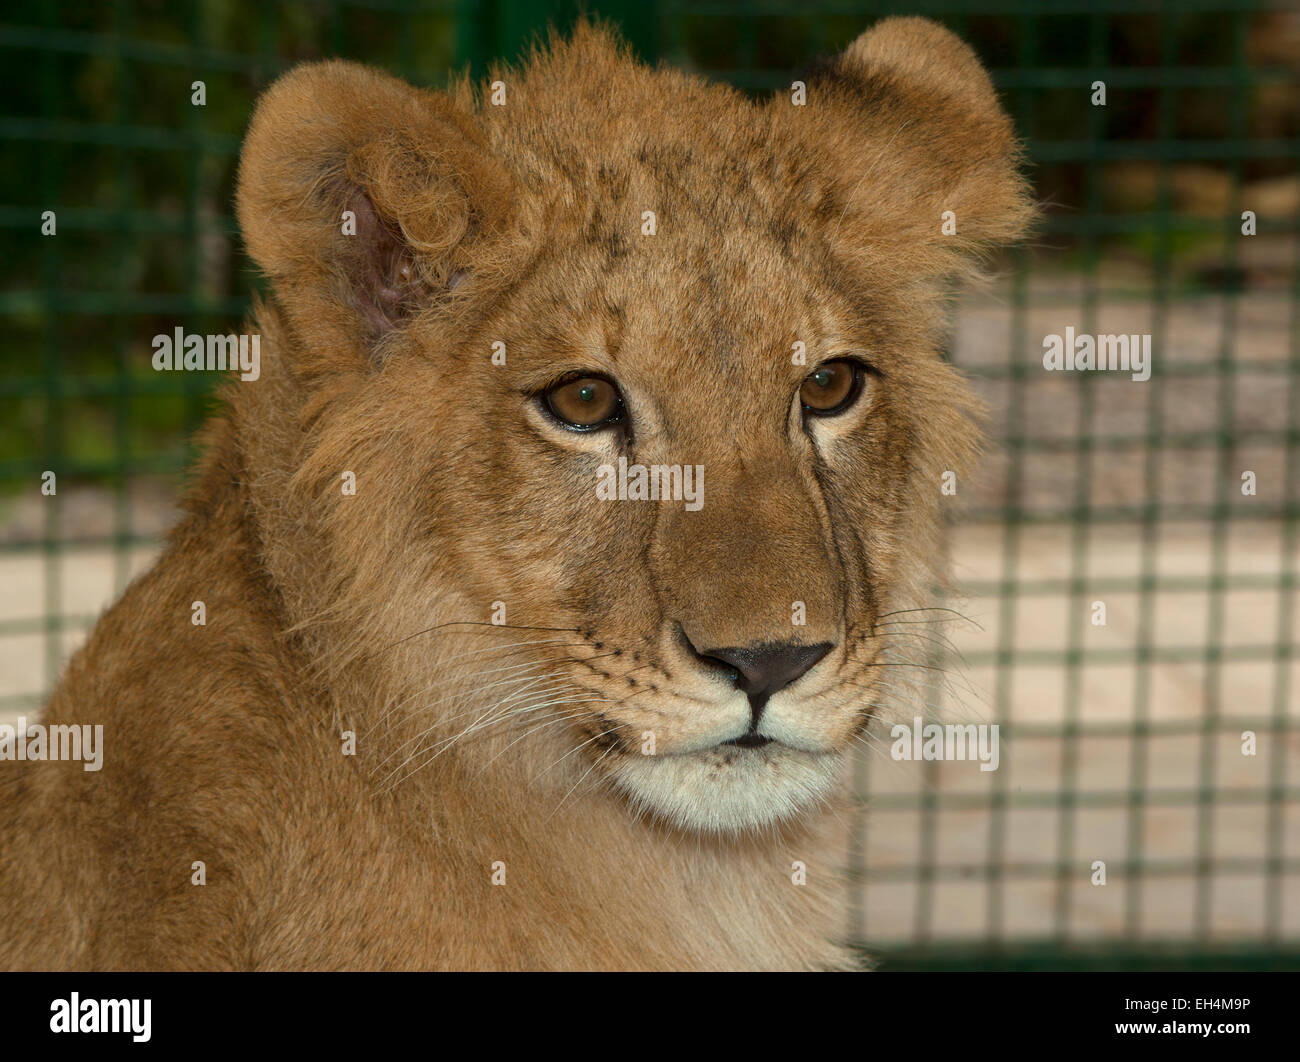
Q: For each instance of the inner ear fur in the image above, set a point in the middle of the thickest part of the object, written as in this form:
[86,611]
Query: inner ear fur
[413,168]
[909,124]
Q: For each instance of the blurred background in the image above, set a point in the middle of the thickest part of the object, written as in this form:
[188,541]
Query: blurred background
[1122,743]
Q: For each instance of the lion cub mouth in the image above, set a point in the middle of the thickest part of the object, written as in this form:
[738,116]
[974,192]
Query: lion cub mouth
[748,741]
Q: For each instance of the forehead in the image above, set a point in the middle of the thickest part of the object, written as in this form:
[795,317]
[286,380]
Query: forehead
[678,233]
[674,303]
[599,154]
[673,258]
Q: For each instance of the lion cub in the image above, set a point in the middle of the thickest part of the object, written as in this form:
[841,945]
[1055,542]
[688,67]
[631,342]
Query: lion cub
[546,565]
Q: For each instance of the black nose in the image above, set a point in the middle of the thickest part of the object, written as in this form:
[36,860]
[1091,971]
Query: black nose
[761,670]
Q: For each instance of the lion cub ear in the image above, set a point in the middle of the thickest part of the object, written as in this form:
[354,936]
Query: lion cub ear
[363,199]
[921,153]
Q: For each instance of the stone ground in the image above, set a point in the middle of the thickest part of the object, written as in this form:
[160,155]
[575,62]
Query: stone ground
[1034,695]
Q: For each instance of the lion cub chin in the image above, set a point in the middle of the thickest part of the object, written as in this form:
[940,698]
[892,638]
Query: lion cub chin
[728,789]
[552,565]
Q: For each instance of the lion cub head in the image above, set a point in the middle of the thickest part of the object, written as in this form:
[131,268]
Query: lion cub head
[638,384]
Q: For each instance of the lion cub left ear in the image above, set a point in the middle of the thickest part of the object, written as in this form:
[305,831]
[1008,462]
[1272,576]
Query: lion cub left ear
[922,163]
[365,200]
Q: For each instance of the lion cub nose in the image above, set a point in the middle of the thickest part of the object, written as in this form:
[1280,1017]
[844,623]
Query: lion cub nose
[764,669]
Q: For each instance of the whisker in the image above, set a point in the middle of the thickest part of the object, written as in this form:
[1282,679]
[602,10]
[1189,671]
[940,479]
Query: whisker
[571,751]
[478,623]
[595,763]
[528,665]
[500,718]
[528,680]
[929,608]
[932,638]
[541,726]
[483,715]
[563,661]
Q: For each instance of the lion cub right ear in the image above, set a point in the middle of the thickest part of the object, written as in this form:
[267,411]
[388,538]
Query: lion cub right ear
[364,199]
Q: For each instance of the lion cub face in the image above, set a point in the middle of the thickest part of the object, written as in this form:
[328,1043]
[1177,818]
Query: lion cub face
[649,368]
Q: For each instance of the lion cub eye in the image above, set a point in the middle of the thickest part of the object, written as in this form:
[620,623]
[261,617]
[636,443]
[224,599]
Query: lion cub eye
[585,403]
[831,388]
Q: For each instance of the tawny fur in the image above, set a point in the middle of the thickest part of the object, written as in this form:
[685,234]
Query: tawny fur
[329,612]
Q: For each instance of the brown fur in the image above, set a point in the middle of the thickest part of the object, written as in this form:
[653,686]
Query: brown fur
[368,613]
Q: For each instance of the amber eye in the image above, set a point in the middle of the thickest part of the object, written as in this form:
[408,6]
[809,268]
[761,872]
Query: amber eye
[585,404]
[831,388]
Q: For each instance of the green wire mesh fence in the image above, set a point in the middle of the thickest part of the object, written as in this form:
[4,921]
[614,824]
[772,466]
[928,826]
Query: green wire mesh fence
[1127,559]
